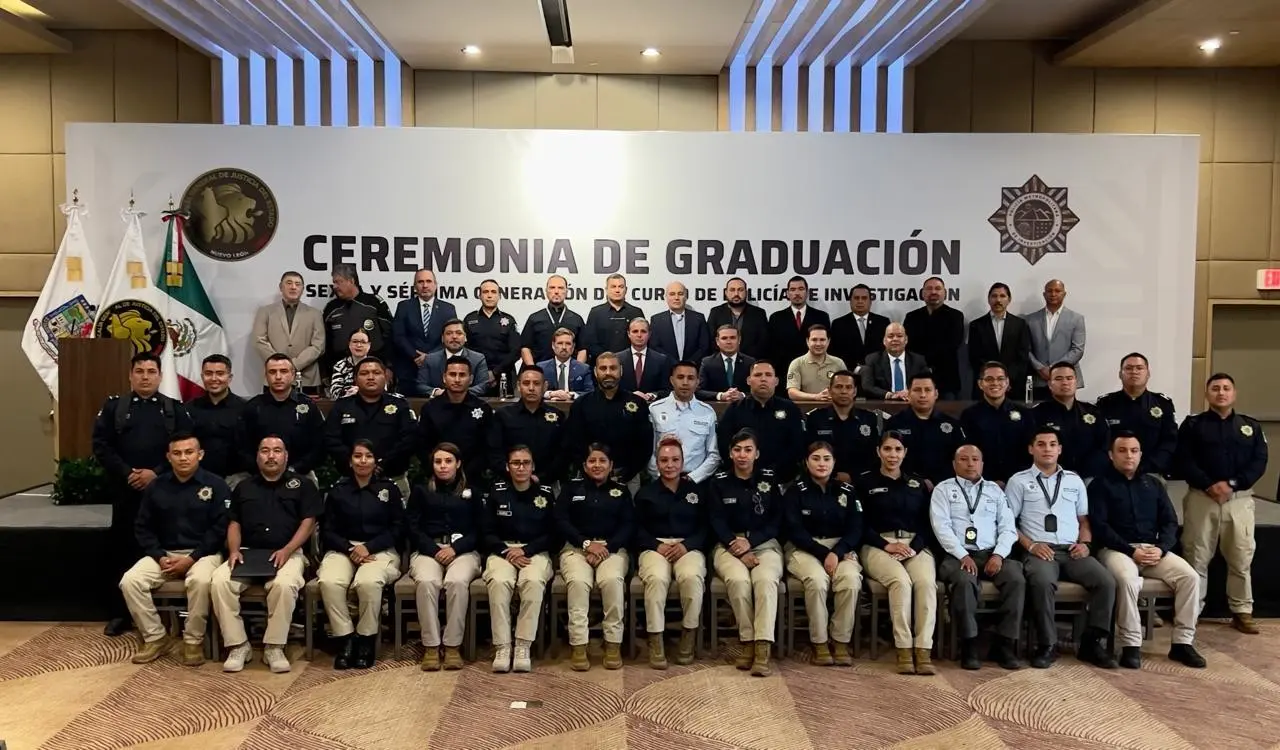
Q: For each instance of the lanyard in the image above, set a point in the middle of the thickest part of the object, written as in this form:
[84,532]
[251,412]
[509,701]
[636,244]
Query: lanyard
[1057,485]
[554,322]
[972,506]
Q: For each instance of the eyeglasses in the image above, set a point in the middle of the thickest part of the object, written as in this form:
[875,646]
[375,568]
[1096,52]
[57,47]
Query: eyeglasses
[519,464]
[996,379]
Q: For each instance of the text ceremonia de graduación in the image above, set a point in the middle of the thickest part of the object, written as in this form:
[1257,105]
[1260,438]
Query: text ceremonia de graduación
[914,255]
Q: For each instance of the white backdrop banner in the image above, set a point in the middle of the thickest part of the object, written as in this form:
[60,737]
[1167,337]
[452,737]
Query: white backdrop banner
[1112,216]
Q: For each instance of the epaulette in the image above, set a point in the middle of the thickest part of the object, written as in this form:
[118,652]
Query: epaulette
[113,397]
[866,473]
[846,486]
[800,485]
[499,485]
[1069,472]
[544,488]
[1158,394]
[766,472]
[721,474]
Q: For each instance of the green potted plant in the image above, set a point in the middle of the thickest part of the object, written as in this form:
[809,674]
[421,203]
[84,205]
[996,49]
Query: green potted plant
[80,481]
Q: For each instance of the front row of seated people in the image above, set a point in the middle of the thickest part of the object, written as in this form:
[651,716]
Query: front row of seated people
[1044,526]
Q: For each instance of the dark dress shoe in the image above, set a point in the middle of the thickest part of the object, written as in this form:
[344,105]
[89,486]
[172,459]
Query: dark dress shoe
[366,649]
[117,626]
[1187,654]
[1096,654]
[1044,657]
[1002,653]
[969,656]
[344,657]
[1131,657]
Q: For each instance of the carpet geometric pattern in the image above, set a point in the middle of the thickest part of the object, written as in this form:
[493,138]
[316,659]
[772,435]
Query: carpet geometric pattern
[67,687]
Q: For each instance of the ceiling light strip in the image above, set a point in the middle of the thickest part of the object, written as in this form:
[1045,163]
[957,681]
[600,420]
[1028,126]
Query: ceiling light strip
[738,69]
[226,37]
[191,34]
[245,27]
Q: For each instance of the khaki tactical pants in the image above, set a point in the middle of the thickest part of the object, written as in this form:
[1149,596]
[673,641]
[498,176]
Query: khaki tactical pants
[503,579]
[1208,527]
[144,577]
[430,576]
[338,575]
[579,578]
[282,596]
[690,573]
[913,592]
[846,583]
[1174,571]
[756,622]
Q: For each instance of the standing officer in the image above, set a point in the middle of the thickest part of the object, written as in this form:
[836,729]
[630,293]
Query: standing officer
[282,411]
[275,509]
[611,416]
[372,414]
[353,309]
[130,439]
[1000,428]
[776,422]
[852,433]
[607,323]
[936,330]
[535,341]
[1222,454]
[216,413]
[1080,426]
[1147,414]
[181,525]
[459,417]
[533,424]
[974,526]
[1055,538]
[690,422]
[789,326]
[493,333]
[929,436]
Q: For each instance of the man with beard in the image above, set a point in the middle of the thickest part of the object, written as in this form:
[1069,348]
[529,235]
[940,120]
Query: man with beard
[749,320]
[936,330]
[535,341]
[615,417]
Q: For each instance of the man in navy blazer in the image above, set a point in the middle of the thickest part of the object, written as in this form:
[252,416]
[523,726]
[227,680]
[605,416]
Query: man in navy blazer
[655,378]
[714,383]
[577,381]
[411,340]
[679,332]
[431,377]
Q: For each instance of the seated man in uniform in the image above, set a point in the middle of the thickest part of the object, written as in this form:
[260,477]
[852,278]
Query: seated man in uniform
[372,414]
[180,527]
[461,417]
[275,509]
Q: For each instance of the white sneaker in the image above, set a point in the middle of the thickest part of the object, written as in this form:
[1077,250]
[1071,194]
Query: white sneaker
[521,663]
[273,657]
[502,658]
[238,656]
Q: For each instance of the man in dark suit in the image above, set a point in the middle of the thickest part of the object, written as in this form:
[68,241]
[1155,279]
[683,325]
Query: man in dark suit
[654,380]
[859,333]
[937,332]
[749,320]
[417,329]
[678,332]
[1000,337]
[887,375]
[723,376]
[567,378]
[788,327]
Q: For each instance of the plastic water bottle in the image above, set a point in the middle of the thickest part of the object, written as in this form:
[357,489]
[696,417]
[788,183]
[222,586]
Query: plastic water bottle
[503,393]
[1029,390]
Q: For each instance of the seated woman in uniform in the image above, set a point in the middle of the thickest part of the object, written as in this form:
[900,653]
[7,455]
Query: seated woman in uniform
[519,534]
[342,381]
[895,538]
[824,528]
[363,523]
[745,505]
[444,533]
[594,516]
[671,532]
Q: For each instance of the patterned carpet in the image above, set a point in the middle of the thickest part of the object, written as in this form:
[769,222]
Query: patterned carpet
[66,687]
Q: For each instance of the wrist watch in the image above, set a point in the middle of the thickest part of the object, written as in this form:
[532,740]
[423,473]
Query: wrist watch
[586,543]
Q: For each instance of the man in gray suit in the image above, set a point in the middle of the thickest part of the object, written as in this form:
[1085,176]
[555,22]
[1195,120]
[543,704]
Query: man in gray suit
[1057,335]
[454,344]
[289,326]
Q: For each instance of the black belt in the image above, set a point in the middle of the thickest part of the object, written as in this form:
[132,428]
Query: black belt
[901,534]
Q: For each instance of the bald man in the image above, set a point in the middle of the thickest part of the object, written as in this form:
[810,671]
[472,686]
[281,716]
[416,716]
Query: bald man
[1057,335]
[887,374]
[679,332]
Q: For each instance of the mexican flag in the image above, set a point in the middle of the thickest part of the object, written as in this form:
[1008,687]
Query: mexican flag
[195,331]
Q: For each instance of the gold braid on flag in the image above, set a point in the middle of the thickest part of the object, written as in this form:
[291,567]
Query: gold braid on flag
[174,260]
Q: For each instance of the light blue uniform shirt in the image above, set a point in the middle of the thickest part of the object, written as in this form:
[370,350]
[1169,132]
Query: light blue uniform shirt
[992,518]
[693,423]
[1030,505]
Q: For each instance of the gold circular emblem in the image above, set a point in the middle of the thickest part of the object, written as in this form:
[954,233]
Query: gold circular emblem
[134,321]
[615,492]
[843,499]
[233,214]
[631,407]
[205,493]
[1246,430]
[763,486]
[553,417]
[539,502]
[1090,419]
[1157,412]
[389,408]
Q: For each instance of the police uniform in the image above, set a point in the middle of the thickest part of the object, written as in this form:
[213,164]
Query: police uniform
[468,424]
[749,509]
[542,325]
[132,432]
[779,428]
[931,443]
[1125,513]
[177,518]
[1048,510]
[1231,449]
[496,337]
[973,519]
[525,519]
[853,439]
[365,312]
[606,329]
[693,423]
[1002,433]
[541,431]
[295,420]
[663,516]
[1083,432]
[269,513]
[897,510]
[1150,416]
[372,515]
[621,422]
[819,522]
[438,517]
[388,422]
[590,512]
[215,426]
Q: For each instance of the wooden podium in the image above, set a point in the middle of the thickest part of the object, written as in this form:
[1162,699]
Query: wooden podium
[89,370]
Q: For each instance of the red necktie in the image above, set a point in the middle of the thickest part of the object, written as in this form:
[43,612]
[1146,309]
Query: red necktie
[639,368]
[798,323]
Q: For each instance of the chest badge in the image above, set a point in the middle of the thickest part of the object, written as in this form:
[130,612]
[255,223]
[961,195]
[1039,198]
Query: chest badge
[1246,430]
[205,493]
[384,495]
[615,492]
[865,430]
[389,409]
[631,407]
[552,417]
[913,483]
[945,427]
[1156,412]
[1015,416]
[763,486]
[843,499]
[477,413]
[539,502]
[293,484]
[303,408]
[1090,419]
[780,414]
[691,498]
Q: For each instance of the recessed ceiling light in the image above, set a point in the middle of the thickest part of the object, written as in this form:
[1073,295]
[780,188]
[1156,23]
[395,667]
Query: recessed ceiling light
[470,49]
[651,52]
[1211,45]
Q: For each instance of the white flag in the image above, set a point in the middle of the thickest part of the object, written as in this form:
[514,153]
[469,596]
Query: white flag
[132,304]
[67,303]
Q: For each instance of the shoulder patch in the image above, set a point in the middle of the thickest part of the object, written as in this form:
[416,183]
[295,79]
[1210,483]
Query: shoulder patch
[766,472]
[721,474]
[113,397]
[544,487]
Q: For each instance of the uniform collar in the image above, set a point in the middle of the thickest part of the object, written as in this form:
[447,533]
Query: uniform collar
[153,398]
[965,484]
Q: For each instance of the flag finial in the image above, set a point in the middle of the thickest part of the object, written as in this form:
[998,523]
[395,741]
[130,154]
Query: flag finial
[75,197]
[132,202]
[170,201]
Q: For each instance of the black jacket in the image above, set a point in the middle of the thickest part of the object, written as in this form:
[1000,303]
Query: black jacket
[753,328]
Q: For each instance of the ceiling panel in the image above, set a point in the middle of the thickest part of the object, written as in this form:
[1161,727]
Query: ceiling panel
[1167,33]
[88,14]
[1044,19]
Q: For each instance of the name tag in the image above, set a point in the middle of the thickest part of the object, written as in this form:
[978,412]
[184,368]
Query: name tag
[578,498]
[1113,422]
[877,490]
[702,422]
[907,431]
[348,419]
[730,501]
[825,432]
[806,512]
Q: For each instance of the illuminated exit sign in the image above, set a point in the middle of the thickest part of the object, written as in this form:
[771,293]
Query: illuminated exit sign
[1269,280]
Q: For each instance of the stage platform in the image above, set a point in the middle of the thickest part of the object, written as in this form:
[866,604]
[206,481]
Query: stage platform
[51,555]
